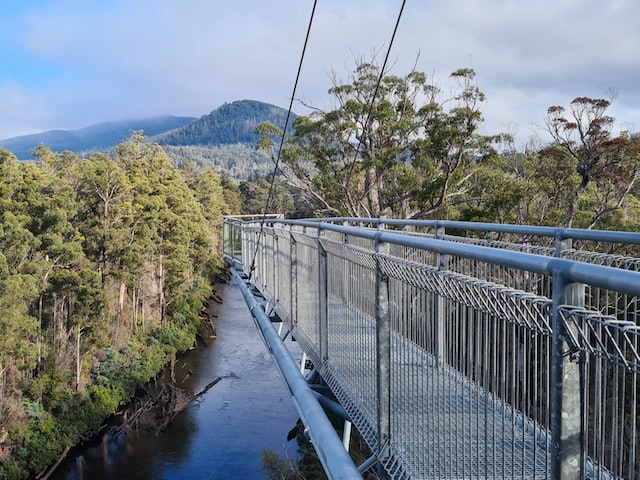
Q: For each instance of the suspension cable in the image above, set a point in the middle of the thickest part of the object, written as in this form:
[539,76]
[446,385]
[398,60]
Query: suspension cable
[284,131]
[375,92]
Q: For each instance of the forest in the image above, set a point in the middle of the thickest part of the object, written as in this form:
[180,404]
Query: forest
[106,259]
[105,263]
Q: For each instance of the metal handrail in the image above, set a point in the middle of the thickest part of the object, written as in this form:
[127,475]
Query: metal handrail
[573,332]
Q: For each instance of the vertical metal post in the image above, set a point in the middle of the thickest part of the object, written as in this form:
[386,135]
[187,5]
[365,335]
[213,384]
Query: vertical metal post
[322,303]
[442,263]
[562,244]
[566,392]
[244,243]
[383,352]
[236,236]
[346,434]
[303,362]
[263,260]
[247,237]
[294,281]
[276,270]
[225,238]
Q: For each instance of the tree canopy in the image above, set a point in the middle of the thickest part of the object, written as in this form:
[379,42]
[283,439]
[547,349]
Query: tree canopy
[397,146]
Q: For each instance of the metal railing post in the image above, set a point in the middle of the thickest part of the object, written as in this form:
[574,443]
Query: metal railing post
[383,353]
[562,244]
[322,303]
[442,263]
[263,260]
[293,249]
[225,239]
[566,391]
[246,241]
[276,270]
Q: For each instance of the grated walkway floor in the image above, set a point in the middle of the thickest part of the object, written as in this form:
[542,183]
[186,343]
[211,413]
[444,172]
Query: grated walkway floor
[442,425]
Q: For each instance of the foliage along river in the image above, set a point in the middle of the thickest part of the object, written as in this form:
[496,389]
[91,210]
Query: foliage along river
[221,434]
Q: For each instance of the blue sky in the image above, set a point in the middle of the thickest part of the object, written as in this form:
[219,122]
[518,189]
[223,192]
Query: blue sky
[68,64]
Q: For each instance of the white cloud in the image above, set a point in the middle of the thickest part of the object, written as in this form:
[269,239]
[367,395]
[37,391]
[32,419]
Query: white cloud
[186,57]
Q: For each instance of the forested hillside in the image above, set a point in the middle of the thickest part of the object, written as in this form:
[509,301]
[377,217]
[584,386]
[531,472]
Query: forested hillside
[230,123]
[104,265]
[225,139]
[237,161]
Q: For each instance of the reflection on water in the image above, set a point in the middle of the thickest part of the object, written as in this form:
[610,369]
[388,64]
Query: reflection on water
[219,436]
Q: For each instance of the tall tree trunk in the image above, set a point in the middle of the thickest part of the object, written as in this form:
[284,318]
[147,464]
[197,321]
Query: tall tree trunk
[2,380]
[39,334]
[372,192]
[571,212]
[78,358]
[161,281]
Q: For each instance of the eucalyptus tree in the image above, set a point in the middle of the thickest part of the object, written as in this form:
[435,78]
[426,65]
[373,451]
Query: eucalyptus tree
[172,237]
[394,147]
[596,170]
[106,216]
[212,193]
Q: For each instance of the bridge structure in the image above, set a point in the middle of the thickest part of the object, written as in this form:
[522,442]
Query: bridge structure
[458,350]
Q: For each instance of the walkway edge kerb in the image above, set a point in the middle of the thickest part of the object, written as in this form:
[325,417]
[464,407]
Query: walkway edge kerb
[334,458]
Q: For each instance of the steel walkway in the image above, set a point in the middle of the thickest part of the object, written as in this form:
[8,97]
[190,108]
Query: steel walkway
[450,428]
[462,356]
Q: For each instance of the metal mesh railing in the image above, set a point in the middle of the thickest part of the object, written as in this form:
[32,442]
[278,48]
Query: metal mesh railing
[475,329]
[608,351]
[454,386]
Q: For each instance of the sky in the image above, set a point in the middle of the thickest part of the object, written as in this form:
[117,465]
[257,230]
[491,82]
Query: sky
[67,64]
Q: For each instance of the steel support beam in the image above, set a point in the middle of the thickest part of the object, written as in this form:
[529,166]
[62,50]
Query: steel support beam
[383,353]
[334,458]
[566,394]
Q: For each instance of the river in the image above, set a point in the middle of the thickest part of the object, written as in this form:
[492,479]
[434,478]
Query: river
[222,434]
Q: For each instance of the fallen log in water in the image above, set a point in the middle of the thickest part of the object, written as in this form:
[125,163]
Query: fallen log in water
[207,388]
[178,407]
[157,412]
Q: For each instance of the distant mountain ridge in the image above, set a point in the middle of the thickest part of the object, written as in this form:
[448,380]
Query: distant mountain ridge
[231,123]
[101,136]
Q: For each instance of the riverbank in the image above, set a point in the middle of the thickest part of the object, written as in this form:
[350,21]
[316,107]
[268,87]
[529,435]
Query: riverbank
[154,398]
[220,435]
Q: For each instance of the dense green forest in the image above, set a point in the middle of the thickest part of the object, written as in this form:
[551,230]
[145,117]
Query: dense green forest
[104,266]
[236,161]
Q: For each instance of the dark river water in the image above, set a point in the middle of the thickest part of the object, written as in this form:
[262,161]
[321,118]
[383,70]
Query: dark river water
[219,436]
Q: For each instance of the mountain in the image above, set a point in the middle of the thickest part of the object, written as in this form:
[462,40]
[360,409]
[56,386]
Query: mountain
[101,136]
[224,139]
[231,123]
